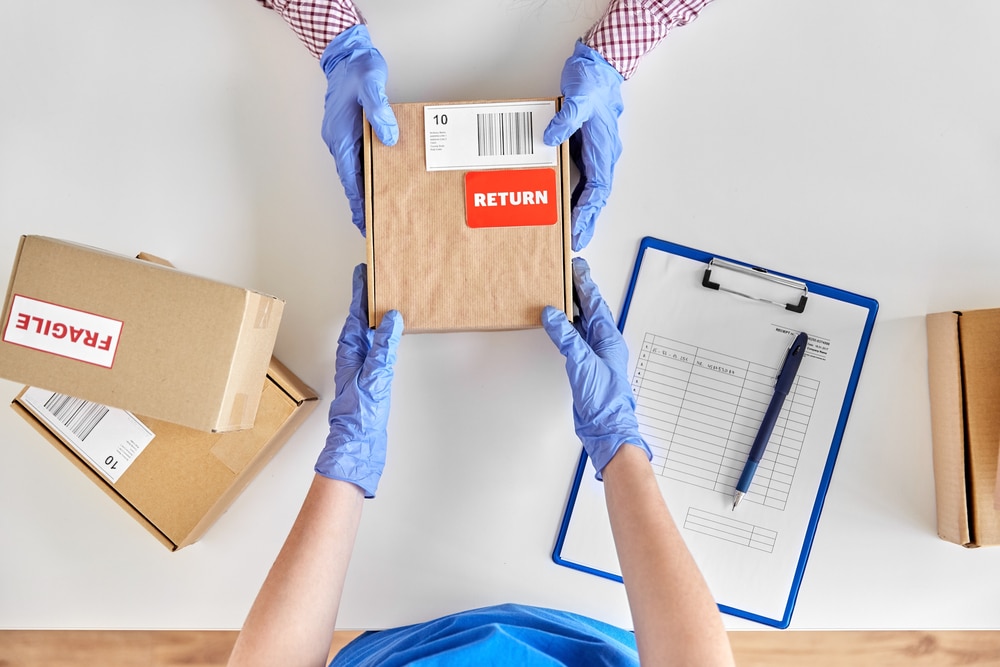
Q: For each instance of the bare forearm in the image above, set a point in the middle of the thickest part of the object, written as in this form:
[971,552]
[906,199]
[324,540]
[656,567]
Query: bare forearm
[294,616]
[676,619]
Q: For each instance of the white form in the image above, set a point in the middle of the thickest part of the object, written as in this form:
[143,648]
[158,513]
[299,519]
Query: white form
[702,366]
[496,135]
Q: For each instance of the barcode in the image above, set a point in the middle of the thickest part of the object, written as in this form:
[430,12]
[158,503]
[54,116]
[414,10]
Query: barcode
[76,414]
[505,133]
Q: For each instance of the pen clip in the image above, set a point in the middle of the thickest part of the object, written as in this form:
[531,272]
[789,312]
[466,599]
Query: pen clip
[791,361]
[774,289]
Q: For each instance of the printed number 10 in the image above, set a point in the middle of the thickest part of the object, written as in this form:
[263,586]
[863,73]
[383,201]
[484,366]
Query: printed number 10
[441,120]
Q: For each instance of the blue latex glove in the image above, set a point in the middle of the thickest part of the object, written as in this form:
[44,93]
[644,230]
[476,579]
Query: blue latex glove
[596,363]
[355,448]
[589,119]
[356,74]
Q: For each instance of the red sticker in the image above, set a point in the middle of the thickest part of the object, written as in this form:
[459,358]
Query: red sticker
[65,332]
[511,198]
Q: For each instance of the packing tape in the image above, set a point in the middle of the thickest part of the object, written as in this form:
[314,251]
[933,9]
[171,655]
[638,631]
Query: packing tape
[263,312]
[239,415]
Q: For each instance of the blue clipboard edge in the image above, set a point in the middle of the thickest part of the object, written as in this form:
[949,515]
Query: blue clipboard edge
[816,288]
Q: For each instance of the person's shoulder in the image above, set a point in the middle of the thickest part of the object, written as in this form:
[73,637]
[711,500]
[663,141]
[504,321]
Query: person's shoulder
[499,634]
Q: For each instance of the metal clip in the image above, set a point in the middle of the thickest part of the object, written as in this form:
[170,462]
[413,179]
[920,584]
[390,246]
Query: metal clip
[739,286]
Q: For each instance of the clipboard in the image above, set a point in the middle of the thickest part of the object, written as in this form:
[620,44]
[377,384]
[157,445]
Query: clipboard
[706,335]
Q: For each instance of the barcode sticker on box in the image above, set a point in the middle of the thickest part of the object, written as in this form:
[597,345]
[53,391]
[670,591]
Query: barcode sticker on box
[488,136]
[108,438]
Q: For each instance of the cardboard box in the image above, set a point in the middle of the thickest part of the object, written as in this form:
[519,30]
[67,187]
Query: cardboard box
[468,217]
[101,326]
[179,483]
[963,364]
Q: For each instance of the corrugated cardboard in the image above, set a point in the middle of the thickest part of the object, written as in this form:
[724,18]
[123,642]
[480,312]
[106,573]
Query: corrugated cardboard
[185,479]
[440,273]
[206,344]
[963,363]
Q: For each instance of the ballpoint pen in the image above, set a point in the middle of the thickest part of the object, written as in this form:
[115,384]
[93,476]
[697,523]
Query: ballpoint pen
[782,385]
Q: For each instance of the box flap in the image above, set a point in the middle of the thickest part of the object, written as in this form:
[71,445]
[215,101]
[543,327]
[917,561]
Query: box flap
[979,334]
[146,257]
[944,372]
[296,389]
[996,492]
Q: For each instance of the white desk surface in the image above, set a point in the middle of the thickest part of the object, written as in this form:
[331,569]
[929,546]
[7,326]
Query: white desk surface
[852,143]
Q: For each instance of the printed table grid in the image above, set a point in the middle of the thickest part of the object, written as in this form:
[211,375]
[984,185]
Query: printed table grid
[729,529]
[699,410]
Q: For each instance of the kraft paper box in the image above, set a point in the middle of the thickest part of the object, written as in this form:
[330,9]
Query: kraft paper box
[468,217]
[963,363]
[173,480]
[137,335]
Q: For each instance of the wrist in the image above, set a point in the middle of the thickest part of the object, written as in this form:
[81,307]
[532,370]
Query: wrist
[338,488]
[592,54]
[630,458]
[604,450]
[350,40]
[347,470]
[358,461]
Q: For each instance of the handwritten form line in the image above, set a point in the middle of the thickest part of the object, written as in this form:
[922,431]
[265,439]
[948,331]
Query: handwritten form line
[699,410]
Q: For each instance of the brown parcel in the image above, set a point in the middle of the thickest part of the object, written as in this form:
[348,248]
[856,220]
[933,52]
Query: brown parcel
[185,479]
[190,351]
[442,275]
[963,363]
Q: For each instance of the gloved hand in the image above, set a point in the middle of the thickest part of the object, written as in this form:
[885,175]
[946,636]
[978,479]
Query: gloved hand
[359,412]
[596,363]
[589,119]
[356,75]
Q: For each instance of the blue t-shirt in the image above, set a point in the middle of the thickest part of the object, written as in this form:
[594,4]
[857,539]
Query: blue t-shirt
[507,634]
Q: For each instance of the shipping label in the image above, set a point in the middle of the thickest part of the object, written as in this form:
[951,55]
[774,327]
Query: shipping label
[109,439]
[488,136]
[66,332]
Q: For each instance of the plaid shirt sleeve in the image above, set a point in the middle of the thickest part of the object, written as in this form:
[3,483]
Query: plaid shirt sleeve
[316,22]
[630,29]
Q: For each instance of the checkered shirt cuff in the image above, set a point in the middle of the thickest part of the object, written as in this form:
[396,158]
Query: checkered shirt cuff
[630,29]
[316,22]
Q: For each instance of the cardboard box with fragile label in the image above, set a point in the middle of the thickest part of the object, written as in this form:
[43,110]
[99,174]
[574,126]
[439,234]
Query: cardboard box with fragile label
[175,481]
[468,217]
[136,334]
[963,364]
